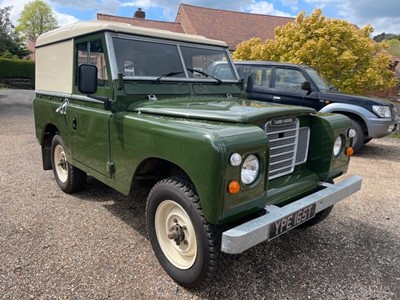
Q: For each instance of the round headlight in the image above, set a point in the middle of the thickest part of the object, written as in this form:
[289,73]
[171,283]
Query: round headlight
[337,147]
[235,159]
[250,169]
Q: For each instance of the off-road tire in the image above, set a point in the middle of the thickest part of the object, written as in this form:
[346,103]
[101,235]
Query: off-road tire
[319,217]
[366,141]
[358,140]
[174,201]
[69,178]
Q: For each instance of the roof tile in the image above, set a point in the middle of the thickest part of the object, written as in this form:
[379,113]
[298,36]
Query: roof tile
[171,26]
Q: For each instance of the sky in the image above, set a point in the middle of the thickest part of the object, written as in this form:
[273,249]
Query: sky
[383,15]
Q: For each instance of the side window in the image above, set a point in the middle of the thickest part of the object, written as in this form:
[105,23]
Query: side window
[288,79]
[261,75]
[92,53]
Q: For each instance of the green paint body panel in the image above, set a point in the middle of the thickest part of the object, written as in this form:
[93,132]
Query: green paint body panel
[198,137]
[192,128]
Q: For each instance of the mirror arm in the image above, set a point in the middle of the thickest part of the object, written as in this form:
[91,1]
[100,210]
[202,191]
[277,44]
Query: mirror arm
[120,82]
[241,82]
[106,100]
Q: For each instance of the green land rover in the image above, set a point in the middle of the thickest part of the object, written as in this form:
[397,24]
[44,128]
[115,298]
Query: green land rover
[135,107]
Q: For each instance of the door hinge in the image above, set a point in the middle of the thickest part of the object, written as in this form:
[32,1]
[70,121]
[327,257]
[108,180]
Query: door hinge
[110,167]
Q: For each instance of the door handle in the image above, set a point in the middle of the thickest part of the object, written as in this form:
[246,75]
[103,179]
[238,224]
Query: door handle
[276,98]
[62,109]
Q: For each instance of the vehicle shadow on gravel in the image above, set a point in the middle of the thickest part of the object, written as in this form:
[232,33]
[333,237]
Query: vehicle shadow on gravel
[379,152]
[320,262]
[302,262]
[130,209]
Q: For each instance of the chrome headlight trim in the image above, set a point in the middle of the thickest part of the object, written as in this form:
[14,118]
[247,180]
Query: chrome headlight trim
[250,169]
[338,146]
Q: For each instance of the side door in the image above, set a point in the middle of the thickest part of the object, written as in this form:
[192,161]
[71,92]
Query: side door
[286,88]
[88,119]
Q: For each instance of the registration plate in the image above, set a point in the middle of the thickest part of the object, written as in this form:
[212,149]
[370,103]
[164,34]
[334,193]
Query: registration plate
[289,222]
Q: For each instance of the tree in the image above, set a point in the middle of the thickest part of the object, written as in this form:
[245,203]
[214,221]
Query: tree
[341,52]
[386,36]
[36,18]
[393,46]
[10,44]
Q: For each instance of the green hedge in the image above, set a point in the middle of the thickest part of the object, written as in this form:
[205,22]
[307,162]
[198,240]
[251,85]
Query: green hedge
[17,68]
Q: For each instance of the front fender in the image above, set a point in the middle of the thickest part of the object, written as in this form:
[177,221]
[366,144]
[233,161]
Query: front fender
[199,148]
[344,108]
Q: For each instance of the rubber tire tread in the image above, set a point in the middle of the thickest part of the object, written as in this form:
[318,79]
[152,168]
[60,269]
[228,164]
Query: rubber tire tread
[76,178]
[218,260]
[366,141]
[360,135]
[319,217]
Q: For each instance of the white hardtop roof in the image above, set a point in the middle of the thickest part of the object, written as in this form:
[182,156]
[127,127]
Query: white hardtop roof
[86,27]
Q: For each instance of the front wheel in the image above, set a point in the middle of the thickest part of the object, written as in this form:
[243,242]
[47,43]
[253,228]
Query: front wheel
[358,140]
[366,141]
[69,178]
[185,244]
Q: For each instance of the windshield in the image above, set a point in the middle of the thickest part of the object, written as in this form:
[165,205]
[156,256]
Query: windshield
[319,81]
[157,60]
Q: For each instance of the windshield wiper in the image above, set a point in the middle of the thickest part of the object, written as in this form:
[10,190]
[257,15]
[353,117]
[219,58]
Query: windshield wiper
[168,75]
[205,74]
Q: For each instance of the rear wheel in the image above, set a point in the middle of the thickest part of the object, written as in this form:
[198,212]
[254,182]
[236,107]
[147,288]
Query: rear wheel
[69,178]
[185,244]
[358,140]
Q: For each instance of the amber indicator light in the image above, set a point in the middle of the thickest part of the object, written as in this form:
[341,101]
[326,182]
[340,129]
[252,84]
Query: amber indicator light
[349,151]
[234,187]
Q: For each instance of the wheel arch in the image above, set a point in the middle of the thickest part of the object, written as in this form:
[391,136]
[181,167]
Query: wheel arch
[49,132]
[352,111]
[356,117]
[153,169]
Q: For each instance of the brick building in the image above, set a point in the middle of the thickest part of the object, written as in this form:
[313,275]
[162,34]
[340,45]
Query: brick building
[230,26]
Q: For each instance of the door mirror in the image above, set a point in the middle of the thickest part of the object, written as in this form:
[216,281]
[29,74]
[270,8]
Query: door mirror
[306,86]
[87,79]
[250,83]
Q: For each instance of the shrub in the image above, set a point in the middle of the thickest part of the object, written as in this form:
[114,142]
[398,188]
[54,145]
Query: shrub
[12,69]
[17,68]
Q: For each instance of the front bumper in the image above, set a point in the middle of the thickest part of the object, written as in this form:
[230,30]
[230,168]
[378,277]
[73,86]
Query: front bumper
[244,236]
[380,127]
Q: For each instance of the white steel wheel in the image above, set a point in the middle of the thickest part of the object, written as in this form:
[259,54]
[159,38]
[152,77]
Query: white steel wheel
[61,166]
[185,244]
[175,234]
[69,178]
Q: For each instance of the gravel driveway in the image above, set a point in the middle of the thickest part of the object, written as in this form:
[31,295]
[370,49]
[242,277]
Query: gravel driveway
[93,245]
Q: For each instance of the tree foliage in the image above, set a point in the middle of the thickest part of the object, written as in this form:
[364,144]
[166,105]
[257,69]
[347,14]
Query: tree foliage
[386,36]
[36,18]
[344,54]
[10,44]
[393,46]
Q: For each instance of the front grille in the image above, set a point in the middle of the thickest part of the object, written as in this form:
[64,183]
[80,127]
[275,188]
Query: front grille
[288,146]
